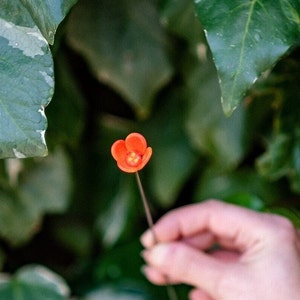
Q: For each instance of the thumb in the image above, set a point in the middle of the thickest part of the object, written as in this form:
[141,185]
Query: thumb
[187,265]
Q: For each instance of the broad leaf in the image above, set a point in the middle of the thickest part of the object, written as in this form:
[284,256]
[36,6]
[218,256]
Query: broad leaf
[26,76]
[242,187]
[179,17]
[44,187]
[221,138]
[115,293]
[247,38]
[125,47]
[47,14]
[113,221]
[173,157]
[283,148]
[33,282]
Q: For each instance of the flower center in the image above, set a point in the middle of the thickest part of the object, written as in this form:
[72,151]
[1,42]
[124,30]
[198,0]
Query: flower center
[133,159]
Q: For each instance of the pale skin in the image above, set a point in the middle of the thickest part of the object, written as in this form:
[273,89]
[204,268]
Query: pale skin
[258,256]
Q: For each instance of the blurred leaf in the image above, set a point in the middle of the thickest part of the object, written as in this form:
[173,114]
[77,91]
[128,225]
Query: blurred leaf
[26,75]
[282,156]
[222,139]
[121,262]
[125,46]
[179,17]
[2,258]
[48,185]
[33,282]
[242,187]
[67,99]
[116,293]
[73,236]
[119,271]
[45,188]
[282,159]
[112,222]
[276,162]
[173,158]
[246,200]
[242,45]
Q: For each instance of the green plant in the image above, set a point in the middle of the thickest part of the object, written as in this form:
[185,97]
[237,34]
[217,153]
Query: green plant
[145,66]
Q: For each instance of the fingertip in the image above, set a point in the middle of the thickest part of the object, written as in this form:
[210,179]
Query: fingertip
[153,275]
[147,239]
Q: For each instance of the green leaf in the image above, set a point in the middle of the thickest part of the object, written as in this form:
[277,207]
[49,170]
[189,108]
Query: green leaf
[222,139]
[246,200]
[27,85]
[173,157]
[281,158]
[33,282]
[47,14]
[44,187]
[240,187]
[247,38]
[111,222]
[48,184]
[67,98]
[26,76]
[109,292]
[124,45]
[179,17]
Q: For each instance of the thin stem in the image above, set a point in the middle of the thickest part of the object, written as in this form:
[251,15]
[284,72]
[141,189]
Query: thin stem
[170,289]
[146,207]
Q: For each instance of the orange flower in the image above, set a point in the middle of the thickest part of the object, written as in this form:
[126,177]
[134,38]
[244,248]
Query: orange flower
[131,154]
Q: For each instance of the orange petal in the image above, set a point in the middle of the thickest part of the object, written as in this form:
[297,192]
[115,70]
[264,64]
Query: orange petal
[136,142]
[126,168]
[146,157]
[118,150]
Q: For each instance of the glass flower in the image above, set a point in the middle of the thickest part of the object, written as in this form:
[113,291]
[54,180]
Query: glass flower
[131,154]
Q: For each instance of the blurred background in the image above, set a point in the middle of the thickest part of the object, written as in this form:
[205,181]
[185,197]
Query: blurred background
[142,66]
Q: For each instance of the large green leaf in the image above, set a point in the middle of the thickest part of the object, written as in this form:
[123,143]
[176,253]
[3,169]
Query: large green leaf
[26,76]
[246,38]
[179,17]
[221,138]
[47,14]
[33,282]
[281,158]
[173,157]
[242,187]
[125,46]
[113,221]
[115,293]
[44,187]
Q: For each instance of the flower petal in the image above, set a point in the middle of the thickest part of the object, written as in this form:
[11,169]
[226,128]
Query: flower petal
[136,142]
[125,167]
[118,150]
[146,157]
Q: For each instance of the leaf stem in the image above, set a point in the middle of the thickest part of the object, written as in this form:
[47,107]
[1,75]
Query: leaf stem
[170,289]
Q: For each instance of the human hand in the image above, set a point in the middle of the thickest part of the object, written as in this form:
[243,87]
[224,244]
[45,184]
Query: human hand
[259,255]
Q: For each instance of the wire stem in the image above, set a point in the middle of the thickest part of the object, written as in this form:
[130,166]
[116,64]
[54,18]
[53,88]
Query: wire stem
[170,289]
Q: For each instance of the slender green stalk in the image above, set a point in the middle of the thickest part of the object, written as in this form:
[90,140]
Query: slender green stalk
[170,289]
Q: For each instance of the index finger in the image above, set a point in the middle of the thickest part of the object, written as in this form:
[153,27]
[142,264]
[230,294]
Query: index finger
[225,221]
